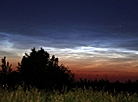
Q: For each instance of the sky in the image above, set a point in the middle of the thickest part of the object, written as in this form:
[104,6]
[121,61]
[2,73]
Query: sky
[94,38]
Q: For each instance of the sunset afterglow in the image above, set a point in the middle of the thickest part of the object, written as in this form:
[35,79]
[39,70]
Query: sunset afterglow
[96,39]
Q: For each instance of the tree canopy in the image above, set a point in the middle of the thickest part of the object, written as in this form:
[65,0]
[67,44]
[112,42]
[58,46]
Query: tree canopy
[38,69]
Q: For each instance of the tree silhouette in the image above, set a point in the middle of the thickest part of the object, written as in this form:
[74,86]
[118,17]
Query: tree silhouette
[6,70]
[39,70]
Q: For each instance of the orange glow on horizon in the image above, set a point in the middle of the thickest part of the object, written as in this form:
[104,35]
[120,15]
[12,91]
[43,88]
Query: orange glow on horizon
[111,75]
[107,70]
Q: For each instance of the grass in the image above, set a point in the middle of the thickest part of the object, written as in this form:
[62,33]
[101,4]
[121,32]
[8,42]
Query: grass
[74,95]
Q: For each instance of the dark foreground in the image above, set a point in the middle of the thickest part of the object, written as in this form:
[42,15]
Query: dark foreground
[82,91]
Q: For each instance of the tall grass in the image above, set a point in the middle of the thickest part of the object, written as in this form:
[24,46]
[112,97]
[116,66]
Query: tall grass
[74,95]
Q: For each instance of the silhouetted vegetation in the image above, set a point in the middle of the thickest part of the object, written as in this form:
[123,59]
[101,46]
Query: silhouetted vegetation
[5,72]
[38,70]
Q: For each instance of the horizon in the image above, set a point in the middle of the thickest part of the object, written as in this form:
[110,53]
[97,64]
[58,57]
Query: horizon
[94,74]
[94,38]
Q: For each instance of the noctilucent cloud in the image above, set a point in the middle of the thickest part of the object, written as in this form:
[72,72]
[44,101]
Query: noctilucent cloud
[95,38]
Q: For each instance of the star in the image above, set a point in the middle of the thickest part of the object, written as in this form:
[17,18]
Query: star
[120,25]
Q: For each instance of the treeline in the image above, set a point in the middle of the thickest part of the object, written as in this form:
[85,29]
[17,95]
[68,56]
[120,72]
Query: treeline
[106,85]
[38,70]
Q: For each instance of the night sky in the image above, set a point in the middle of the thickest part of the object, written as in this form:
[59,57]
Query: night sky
[95,38]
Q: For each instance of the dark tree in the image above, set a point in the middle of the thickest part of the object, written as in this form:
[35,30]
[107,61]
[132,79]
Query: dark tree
[39,70]
[6,70]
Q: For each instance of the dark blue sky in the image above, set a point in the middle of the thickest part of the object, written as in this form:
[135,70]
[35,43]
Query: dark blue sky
[76,31]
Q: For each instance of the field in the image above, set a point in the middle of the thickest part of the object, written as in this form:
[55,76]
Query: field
[74,95]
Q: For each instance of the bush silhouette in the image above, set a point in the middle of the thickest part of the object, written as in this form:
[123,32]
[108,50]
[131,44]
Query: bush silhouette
[39,70]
